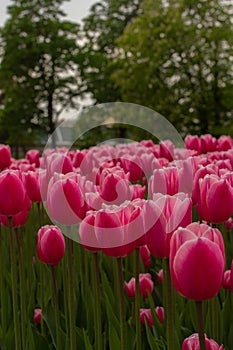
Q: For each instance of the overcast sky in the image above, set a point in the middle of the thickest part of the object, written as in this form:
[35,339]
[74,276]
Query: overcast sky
[75,9]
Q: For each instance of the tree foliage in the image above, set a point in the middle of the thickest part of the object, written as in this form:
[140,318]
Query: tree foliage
[104,24]
[176,57]
[38,70]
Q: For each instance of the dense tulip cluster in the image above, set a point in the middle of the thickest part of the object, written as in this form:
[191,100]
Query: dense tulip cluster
[138,197]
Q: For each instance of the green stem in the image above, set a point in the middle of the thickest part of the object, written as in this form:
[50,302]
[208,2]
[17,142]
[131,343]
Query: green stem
[39,213]
[2,285]
[122,304]
[137,300]
[71,295]
[97,308]
[169,307]
[14,288]
[56,308]
[215,320]
[22,291]
[200,325]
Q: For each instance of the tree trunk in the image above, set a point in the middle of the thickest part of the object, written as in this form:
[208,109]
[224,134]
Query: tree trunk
[50,120]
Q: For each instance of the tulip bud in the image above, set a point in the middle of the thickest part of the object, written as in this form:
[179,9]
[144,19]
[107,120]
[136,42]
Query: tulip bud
[5,156]
[192,343]
[12,193]
[37,316]
[50,245]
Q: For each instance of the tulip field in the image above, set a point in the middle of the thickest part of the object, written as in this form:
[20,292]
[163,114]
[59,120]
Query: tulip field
[119,247]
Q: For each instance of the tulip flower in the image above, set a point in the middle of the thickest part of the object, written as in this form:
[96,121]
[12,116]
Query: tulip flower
[5,156]
[50,245]
[160,276]
[162,217]
[146,315]
[193,142]
[227,282]
[12,193]
[33,156]
[145,255]
[65,201]
[31,180]
[197,261]
[146,285]
[37,316]
[210,209]
[192,343]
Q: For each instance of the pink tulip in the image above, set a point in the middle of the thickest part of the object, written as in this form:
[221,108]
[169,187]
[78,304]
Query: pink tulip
[114,189]
[12,193]
[50,245]
[87,233]
[18,220]
[146,285]
[197,261]
[192,343]
[132,164]
[65,201]
[166,150]
[208,143]
[146,315]
[160,276]
[5,156]
[227,282]
[37,316]
[31,181]
[33,156]
[193,142]
[160,313]
[214,199]
[145,255]
[224,143]
[162,217]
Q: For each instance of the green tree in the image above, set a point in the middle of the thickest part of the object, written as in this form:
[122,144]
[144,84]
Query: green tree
[39,67]
[176,57]
[104,24]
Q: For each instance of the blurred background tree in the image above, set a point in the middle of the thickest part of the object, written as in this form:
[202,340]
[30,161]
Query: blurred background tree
[177,58]
[39,68]
[105,23]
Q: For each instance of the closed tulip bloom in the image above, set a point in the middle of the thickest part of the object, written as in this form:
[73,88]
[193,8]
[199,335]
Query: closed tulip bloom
[192,343]
[18,220]
[224,143]
[160,313]
[114,189]
[37,316]
[31,180]
[87,233]
[12,193]
[208,143]
[197,261]
[145,255]
[50,245]
[5,156]
[160,276]
[193,142]
[65,201]
[146,316]
[227,282]
[162,217]
[146,285]
[214,199]
[33,156]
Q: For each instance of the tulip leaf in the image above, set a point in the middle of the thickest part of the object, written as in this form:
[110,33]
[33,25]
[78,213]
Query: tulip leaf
[87,342]
[114,341]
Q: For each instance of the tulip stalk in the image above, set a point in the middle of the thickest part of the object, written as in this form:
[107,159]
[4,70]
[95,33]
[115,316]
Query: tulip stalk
[14,288]
[97,308]
[22,290]
[71,295]
[122,304]
[56,308]
[200,325]
[168,306]
[137,300]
